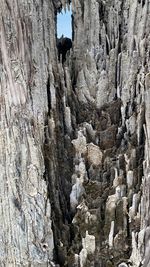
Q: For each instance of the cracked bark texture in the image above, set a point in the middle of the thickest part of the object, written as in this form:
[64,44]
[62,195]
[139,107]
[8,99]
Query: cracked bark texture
[74,138]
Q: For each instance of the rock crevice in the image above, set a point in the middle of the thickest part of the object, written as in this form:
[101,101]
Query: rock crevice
[75,135]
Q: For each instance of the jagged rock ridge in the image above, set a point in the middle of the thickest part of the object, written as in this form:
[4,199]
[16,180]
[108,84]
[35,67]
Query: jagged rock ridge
[75,136]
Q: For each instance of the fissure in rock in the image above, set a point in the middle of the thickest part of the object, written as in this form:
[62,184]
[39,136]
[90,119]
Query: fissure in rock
[74,134]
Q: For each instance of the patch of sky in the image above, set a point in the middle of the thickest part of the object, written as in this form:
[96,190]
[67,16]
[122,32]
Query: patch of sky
[64,25]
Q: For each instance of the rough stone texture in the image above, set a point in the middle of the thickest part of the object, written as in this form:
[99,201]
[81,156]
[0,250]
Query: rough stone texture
[75,138]
[26,39]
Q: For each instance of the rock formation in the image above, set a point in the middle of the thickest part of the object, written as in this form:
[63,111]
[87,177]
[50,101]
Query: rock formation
[64,44]
[75,137]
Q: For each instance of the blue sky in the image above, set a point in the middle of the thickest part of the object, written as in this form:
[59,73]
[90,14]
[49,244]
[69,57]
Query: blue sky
[64,24]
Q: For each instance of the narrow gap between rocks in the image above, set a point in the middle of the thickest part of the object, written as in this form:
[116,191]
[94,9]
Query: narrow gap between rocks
[64,23]
[64,26]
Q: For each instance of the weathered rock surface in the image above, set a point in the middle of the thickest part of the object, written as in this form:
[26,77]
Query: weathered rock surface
[74,138]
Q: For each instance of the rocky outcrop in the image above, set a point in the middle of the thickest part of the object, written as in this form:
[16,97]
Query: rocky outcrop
[75,136]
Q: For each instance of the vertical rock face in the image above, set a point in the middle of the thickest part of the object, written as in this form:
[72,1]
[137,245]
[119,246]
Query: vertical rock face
[26,55]
[74,137]
[111,66]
